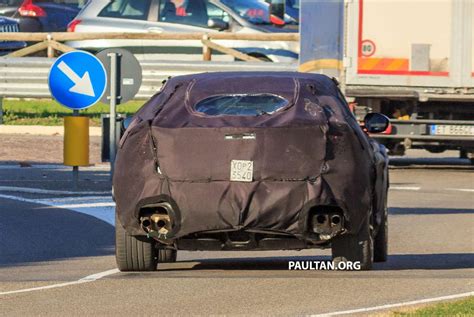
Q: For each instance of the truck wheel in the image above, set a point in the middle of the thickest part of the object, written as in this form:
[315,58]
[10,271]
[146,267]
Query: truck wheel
[381,240]
[354,248]
[261,57]
[133,253]
[167,255]
[465,154]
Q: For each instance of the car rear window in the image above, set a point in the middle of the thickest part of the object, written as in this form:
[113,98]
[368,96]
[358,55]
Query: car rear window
[241,105]
[127,9]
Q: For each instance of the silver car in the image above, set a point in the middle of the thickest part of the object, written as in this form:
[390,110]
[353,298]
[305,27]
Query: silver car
[184,16]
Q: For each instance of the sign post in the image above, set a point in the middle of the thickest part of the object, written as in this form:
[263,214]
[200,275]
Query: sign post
[113,109]
[125,79]
[75,169]
[77,80]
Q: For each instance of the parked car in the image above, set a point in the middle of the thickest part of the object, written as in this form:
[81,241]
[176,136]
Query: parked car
[157,16]
[41,15]
[250,161]
[9,25]
[8,8]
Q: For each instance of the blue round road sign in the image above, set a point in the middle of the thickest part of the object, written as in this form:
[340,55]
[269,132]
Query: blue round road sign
[77,80]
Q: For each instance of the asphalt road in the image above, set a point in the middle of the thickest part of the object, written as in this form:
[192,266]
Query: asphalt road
[46,242]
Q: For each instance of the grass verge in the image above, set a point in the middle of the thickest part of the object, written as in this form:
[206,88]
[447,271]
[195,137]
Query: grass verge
[49,112]
[463,307]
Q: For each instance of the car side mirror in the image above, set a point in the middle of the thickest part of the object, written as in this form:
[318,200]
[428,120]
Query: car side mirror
[217,24]
[376,122]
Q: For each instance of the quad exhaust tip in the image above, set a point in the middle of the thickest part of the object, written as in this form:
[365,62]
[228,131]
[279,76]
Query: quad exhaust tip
[324,218]
[156,220]
[327,221]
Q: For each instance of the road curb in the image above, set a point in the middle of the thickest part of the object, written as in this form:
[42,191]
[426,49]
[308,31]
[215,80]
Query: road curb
[42,130]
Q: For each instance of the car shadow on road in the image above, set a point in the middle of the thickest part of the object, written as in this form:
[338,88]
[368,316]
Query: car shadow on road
[433,163]
[440,261]
[429,211]
[31,233]
[437,261]
[257,263]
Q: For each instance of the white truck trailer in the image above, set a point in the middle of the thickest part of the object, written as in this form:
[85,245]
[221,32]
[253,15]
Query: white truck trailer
[411,60]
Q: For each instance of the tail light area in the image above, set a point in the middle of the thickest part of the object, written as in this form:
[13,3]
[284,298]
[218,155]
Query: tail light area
[29,9]
[276,20]
[73,24]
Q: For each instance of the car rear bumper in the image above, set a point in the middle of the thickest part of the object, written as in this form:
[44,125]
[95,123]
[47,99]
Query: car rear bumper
[245,240]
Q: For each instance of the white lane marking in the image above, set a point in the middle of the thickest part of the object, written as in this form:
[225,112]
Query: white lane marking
[47,191]
[468,190]
[75,199]
[404,188]
[93,205]
[98,276]
[104,210]
[87,279]
[18,198]
[383,307]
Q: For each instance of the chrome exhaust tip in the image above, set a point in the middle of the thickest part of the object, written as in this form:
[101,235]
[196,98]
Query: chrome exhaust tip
[336,220]
[156,221]
[326,221]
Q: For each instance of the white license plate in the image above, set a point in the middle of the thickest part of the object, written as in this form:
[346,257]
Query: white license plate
[442,129]
[241,171]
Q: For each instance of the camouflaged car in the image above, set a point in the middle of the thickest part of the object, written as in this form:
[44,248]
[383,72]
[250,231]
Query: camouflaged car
[250,161]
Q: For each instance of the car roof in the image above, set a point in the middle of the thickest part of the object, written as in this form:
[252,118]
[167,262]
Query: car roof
[237,74]
[174,105]
[244,77]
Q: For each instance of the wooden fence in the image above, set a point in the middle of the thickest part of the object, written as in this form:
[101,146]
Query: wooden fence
[52,42]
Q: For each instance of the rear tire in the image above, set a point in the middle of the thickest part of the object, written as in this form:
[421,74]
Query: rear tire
[167,255]
[354,248]
[381,240]
[133,253]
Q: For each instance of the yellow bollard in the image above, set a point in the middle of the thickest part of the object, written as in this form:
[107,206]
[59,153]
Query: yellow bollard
[76,141]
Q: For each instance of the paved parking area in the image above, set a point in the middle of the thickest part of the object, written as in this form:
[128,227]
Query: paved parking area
[56,236]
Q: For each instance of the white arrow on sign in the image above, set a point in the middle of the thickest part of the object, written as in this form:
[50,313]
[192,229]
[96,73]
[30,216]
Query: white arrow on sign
[82,85]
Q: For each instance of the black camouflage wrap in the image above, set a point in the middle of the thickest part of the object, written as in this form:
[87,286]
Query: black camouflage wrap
[313,152]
